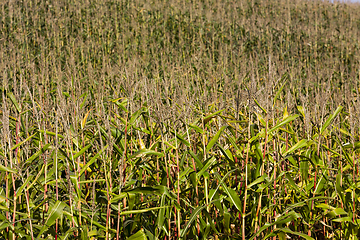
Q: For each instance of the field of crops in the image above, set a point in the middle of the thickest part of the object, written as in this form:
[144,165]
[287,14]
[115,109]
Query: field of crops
[176,119]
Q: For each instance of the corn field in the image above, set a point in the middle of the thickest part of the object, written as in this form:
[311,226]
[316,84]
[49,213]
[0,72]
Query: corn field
[179,119]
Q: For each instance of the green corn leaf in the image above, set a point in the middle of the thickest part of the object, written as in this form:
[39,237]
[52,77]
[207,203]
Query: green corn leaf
[287,230]
[330,119]
[282,220]
[283,122]
[211,116]
[54,213]
[161,216]
[259,135]
[220,182]
[149,235]
[303,203]
[2,199]
[210,162]
[199,165]
[292,183]
[120,149]
[298,145]
[144,130]
[116,133]
[92,181]
[36,178]
[5,224]
[92,160]
[304,165]
[184,175]
[324,206]
[207,230]
[287,218]
[84,95]
[256,181]
[196,128]
[258,104]
[320,185]
[121,105]
[227,222]
[339,189]
[69,233]
[258,151]
[21,143]
[178,136]
[233,196]
[37,154]
[131,200]
[19,190]
[226,153]
[51,134]
[339,211]
[301,110]
[169,144]
[136,115]
[7,169]
[82,151]
[140,235]
[279,92]
[343,219]
[74,180]
[141,210]
[193,216]
[215,138]
[147,152]
[232,141]
[331,150]
[158,190]
[90,220]
[13,100]
[263,228]
[261,119]
[117,197]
